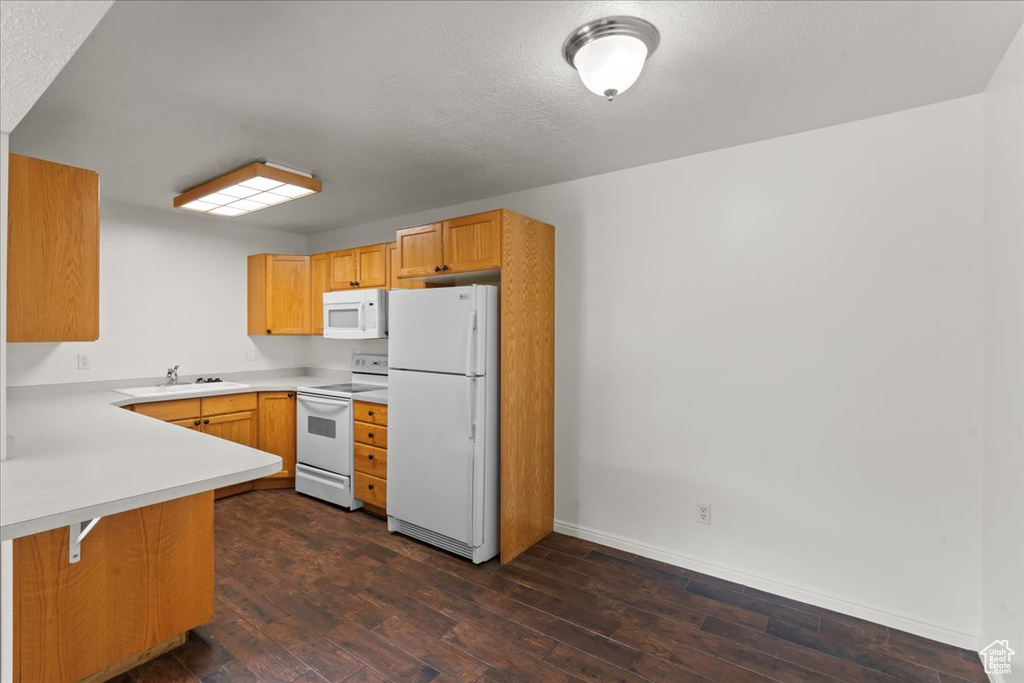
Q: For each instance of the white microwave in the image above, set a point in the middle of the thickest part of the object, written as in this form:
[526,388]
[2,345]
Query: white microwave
[356,314]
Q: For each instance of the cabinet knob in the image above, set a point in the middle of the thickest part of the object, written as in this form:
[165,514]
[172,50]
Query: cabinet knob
[290,394]
[369,457]
[369,486]
[206,422]
[269,332]
[369,435]
[437,269]
[357,283]
[444,267]
[370,413]
[197,422]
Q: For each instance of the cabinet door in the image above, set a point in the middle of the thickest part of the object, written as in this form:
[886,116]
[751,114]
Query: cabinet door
[472,242]
[344,269]
[53,277]
[392,263]
[419,251]
[288,294]
[372,266]
[320,282]
[277,428]
[237,427]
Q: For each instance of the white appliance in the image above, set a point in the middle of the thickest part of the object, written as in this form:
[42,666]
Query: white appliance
[356,314]
[443,418]
[323,436]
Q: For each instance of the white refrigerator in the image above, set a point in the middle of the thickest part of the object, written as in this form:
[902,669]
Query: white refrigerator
[443,418]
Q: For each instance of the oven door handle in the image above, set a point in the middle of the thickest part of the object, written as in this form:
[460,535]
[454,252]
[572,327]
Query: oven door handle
[333,403]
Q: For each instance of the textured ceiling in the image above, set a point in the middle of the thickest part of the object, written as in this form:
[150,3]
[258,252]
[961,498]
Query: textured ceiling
[404,106]
[36,40]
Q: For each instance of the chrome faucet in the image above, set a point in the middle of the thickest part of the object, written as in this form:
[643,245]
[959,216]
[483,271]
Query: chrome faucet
[172,375]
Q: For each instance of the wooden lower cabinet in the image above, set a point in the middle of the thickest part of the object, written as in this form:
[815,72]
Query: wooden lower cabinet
[370,455]
[264,420]
[277,433]
[144,579]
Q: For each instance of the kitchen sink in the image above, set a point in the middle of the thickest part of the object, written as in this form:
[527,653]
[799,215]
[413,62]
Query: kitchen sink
[172,389]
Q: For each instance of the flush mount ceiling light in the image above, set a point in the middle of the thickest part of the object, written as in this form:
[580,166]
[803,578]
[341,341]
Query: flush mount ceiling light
[247,189]
[609,53]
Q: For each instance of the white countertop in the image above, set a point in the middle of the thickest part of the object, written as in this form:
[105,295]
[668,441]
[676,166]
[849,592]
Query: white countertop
[75,455]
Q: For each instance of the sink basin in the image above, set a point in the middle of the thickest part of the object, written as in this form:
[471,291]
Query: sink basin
[170,390]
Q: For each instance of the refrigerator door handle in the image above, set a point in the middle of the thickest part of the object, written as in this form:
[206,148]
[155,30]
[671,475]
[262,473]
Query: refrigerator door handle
[470,345]
[472,408]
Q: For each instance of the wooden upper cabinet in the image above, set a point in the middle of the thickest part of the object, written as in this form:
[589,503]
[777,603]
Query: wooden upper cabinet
[277,428]
[53,261]
[419,251]
[359,268]
[392,263]
[319,282]
[279,294]
[472,242]
[372,266]
[344,269]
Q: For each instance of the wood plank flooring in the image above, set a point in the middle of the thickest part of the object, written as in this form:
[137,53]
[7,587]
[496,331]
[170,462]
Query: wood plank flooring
[309,593]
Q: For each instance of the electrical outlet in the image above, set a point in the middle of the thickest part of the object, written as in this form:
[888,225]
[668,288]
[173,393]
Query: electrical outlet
[256,353]
[704,513]
[84,361]
[247,354]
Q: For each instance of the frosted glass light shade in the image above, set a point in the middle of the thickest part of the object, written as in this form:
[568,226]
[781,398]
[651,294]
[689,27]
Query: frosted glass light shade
[247,189]
[610,65]
[610,53]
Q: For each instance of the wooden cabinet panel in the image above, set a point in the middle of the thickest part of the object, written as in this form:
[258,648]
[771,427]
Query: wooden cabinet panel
[279,294]
[374,413]
[182,409]
[231,403]
[192,423]
[371,490]
[392,264]
[238,427]
[145,576]
[344,269]
[319,282]
[419,251]
[371,435]
[371,460]
[472,242]
[371,266]
[53,260]
[277,428]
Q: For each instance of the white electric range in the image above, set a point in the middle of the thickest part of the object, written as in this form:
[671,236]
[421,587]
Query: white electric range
[324,431]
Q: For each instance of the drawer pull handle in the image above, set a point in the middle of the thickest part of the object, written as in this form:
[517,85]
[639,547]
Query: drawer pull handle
[369,435]
[370,413]
[369,486]
[369,457]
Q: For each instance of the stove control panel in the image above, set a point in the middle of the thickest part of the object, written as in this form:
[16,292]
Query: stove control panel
[370,363]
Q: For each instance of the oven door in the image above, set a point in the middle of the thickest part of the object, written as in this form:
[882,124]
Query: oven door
[323,436]
[346,320]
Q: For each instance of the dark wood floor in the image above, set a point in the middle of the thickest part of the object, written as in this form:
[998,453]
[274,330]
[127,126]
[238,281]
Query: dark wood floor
[306,592]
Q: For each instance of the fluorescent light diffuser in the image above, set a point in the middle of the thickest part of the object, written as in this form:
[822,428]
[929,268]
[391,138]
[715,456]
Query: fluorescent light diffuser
[247,189]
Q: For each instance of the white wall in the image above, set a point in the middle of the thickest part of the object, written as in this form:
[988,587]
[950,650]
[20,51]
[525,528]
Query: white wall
[172,291]
[791,331]
[1003,493]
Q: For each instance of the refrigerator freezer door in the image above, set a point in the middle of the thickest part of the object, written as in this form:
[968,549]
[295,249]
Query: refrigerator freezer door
[432,452]
[439,330]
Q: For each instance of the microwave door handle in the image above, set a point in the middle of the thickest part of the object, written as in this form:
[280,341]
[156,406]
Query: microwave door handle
[470,345]
[362,316]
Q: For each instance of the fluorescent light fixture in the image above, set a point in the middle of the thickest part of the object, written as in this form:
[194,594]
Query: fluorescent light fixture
[247,189]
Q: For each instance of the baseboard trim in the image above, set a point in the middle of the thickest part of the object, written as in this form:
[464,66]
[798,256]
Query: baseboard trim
[813,597]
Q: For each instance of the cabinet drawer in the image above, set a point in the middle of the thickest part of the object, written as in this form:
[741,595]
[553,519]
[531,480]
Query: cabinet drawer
[182,409]
[374,413]
[371,460]
[233,403]
[371,490]
[371,435]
